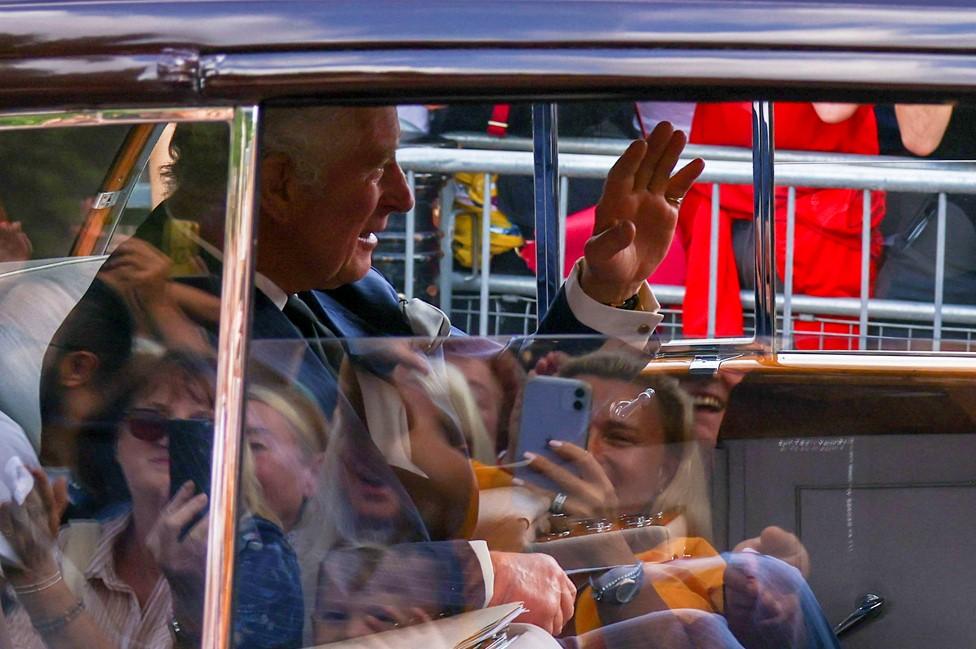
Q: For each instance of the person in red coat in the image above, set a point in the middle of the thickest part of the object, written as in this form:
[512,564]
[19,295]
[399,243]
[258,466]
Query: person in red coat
[827,253]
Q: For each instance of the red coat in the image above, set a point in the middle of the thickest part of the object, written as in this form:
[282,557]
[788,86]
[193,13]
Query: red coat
[827,255]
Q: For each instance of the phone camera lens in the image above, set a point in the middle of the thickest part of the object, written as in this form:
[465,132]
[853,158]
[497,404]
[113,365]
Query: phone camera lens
[579,394]
[577,405]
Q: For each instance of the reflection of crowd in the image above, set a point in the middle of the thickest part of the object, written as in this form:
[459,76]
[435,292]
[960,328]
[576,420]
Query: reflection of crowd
[371,457]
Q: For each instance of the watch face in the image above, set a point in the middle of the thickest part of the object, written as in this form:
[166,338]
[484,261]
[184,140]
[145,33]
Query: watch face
[626,589]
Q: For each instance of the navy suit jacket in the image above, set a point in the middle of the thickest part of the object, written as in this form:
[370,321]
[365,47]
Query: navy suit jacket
[371,307]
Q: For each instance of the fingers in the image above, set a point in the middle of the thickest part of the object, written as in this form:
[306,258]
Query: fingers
[610,241]
[566,480]
[60,501]
[681,182]
[627,165]
[180,498]
[658,143]
[198,533]
[590,469]
[665,164]
[549,364]
[567,600]
[180,517]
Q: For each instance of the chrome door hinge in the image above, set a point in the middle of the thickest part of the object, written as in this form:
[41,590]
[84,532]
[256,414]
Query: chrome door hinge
[708,364]
[180,67]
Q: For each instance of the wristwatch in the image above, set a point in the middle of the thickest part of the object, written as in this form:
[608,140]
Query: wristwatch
[630,304]
[618,585]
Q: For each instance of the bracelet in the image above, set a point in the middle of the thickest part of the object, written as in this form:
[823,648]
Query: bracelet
[56,624]
[43,584]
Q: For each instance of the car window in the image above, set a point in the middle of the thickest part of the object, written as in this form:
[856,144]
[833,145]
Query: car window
[109,309]
[619,487]
[51,187]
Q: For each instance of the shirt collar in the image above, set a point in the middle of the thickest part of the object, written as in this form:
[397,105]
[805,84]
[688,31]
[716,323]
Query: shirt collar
[272,290]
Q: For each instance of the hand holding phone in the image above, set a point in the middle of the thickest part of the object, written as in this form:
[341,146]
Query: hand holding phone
[553,408]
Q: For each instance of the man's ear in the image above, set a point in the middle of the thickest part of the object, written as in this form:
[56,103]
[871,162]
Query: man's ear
[77,369]
[277,179]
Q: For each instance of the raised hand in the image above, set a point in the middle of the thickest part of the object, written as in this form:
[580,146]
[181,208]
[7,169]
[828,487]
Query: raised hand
[31,530]
[637,215]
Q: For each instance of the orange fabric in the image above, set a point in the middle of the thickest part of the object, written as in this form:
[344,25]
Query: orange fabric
[491,477]
[687,573]
[827,252]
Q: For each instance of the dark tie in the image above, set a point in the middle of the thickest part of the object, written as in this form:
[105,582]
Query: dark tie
[314,331]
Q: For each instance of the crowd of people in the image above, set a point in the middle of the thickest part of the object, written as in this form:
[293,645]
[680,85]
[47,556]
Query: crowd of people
[827,251]
[383,482]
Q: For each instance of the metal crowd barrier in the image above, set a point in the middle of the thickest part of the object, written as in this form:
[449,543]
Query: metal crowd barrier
[592,158]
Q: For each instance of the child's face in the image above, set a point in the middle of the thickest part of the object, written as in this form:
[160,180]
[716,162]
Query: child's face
[398,593]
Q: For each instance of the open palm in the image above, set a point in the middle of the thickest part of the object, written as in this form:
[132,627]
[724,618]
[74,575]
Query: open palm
[636,215]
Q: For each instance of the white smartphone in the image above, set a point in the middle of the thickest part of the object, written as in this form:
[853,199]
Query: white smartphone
[553,408]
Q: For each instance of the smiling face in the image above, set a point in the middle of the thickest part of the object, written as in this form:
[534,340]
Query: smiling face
[321,211]
[631,447]
[710,397]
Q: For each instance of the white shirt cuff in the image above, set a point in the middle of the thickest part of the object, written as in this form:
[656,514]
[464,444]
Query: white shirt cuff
[633,327]
[487,570]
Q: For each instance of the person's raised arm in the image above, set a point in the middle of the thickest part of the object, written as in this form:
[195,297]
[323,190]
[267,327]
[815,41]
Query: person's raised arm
[833,113]
[922,126]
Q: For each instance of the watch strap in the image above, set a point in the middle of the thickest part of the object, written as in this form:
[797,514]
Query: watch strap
[618,585]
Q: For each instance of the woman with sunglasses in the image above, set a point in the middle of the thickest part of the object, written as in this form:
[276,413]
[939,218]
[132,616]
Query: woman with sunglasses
[135,578]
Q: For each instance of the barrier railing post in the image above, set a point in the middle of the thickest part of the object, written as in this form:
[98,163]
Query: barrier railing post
[563,213]
[939,273]
[447,250]
[485,256]
[410,228]
[788,270]
[713,261]
[545,168]
[865,268]
[762,185]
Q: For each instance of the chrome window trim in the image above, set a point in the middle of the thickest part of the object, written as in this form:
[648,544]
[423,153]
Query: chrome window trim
[453,73]
[763,182]
[135,174]
[15,120]
[235,314]
[235,328]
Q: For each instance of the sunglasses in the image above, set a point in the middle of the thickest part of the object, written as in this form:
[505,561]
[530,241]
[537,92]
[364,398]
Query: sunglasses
[150,426]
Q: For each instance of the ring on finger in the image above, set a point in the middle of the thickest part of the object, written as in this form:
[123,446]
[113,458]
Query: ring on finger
[558,504]
[676,201]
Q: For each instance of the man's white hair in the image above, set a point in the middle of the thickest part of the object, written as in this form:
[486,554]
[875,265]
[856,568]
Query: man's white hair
[312,136]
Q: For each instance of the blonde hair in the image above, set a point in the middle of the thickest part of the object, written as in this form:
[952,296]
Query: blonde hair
[299,409]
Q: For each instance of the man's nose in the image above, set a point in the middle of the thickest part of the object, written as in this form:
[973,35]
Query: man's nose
[398,194]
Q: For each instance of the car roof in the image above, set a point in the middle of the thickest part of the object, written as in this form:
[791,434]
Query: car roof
[116,50]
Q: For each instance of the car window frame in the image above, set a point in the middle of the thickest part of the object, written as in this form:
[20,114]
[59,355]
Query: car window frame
[235,316]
